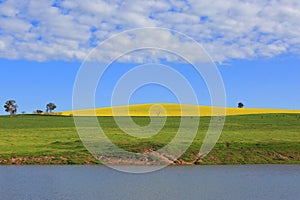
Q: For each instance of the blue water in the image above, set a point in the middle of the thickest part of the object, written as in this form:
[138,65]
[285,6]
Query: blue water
[186,182]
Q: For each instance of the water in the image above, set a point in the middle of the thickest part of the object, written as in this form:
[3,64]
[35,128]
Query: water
[186,182]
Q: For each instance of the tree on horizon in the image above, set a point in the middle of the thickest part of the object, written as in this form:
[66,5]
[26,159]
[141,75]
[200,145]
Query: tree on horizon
[50,107]
[38,111]
[11,107]
[240,105]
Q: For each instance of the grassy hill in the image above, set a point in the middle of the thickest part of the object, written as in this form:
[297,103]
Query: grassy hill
[170,110]
[246,139]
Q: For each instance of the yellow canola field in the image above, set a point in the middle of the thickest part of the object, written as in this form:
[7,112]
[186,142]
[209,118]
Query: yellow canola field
[171,110]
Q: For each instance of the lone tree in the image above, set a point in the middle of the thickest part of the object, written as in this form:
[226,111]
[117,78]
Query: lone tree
[11,107]
[38,112]
[240,105]
[50,107]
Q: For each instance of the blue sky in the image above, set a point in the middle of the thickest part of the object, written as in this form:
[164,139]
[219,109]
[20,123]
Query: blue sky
[271,83]
[256,46]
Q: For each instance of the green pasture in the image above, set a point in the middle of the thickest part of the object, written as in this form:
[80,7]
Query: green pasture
[246,139]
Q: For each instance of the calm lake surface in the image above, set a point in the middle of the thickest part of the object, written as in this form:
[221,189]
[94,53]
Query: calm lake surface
[186,182]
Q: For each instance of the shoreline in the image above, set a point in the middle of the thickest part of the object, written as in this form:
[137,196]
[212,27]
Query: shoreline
[52,160]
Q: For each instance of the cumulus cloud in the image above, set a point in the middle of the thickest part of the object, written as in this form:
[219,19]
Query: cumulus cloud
[70,29]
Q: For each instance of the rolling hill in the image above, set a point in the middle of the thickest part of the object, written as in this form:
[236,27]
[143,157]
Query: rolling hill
[166,109]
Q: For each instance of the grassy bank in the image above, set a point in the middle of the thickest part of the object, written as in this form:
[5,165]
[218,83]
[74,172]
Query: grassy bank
[247,139]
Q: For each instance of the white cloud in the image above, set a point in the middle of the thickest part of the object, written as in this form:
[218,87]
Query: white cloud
[69,29]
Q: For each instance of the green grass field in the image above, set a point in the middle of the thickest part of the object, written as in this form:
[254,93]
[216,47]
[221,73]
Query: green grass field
[246,139]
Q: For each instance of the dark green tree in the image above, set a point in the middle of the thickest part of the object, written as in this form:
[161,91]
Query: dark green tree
[240,105]
[38,112]
[50,107]
[11,107]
